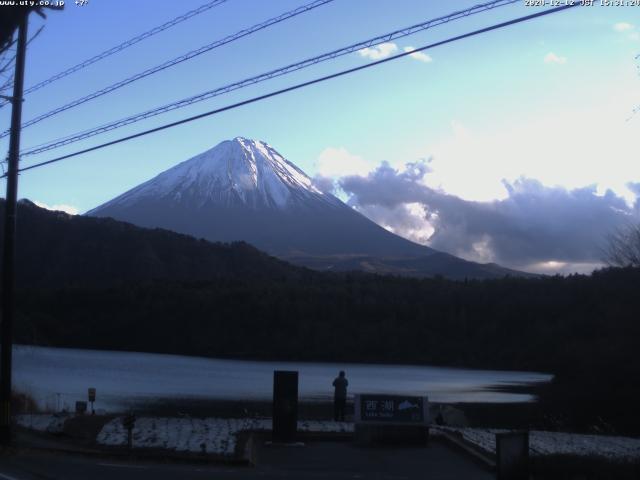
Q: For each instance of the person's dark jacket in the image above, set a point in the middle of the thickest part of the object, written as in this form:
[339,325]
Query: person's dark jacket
[340,384]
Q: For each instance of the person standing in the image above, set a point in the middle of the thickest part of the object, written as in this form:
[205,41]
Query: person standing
[340,396]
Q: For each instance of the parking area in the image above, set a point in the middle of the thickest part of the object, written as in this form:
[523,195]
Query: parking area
[344,459]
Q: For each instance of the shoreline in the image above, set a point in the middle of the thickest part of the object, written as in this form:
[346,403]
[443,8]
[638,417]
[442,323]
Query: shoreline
[478,414]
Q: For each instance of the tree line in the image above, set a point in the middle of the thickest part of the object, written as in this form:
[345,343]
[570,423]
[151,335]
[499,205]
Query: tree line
[583,329]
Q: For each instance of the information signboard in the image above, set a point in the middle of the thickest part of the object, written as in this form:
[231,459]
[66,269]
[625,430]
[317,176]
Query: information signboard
[391,409]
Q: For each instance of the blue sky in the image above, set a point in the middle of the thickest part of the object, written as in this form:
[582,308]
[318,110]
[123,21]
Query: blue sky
[548,101]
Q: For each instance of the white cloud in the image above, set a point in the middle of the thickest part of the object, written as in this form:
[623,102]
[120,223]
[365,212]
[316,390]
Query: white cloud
[623,27]
[62,207]
[422,230]
[420,56]
[561,268]
[535,228]
[338,162]
[379,51]
[600,147]
[553,58]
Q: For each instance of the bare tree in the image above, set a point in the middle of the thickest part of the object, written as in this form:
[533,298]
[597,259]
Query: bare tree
[7,58]
[623,247]
[6,70]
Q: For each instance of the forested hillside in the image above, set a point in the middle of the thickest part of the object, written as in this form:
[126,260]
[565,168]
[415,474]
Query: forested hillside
[149,290]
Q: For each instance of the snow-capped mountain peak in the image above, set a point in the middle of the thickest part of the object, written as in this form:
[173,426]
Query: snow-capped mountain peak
[238,171]
[244,190]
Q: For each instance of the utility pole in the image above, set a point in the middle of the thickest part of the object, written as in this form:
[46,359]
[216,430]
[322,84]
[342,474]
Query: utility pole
[8,254]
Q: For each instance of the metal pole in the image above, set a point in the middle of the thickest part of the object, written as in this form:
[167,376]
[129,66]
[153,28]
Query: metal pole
[8,254]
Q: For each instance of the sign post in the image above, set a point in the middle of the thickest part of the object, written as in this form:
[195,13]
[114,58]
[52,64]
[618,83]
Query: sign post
[92,398]
[391,419]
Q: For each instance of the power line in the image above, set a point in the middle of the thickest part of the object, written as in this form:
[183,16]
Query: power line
[266,76]
[9,82]
[176,61]
[123,45]
[301,85]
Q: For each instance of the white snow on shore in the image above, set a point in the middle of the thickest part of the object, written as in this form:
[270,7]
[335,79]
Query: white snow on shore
[219,435]
[50,423]
[558,443]
[200,435]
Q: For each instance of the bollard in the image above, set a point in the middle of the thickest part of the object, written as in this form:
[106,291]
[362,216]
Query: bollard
[512,455]
[129,422]
[285,406]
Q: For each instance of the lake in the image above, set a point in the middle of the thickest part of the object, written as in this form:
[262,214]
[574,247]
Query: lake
[57,377]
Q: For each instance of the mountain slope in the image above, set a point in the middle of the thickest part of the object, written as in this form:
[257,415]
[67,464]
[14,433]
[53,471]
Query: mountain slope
[430,266]
[245,190]
[57,249]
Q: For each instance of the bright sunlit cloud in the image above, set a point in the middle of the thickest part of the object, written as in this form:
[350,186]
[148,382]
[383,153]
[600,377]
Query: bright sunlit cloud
[563,268]
[379,51]
[553,58]
[338,162]
[629,29]
[623,27]
[600,147]
[420,56]
[61,207]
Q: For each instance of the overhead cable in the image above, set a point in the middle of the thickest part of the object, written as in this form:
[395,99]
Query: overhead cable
[175,61]
[123,45]
[60,142]
[301,85]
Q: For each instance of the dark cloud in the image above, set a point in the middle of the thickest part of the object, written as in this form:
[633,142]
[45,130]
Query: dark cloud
[324,184]
[386,186]
[534,224]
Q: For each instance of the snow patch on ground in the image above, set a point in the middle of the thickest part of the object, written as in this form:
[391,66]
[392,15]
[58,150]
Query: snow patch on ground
[50,423]
[557,443]
[199,435]
[315,426]
[219,435]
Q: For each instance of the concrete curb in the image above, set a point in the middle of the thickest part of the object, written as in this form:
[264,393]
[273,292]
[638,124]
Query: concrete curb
[478,455]
[159,456]
[249,439]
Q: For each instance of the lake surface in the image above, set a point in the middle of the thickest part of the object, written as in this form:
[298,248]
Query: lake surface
[57,377]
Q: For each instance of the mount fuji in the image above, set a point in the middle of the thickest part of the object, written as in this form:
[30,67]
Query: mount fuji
[245,190]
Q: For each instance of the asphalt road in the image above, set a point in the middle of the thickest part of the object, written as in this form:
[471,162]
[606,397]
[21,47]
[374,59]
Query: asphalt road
[314,461]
